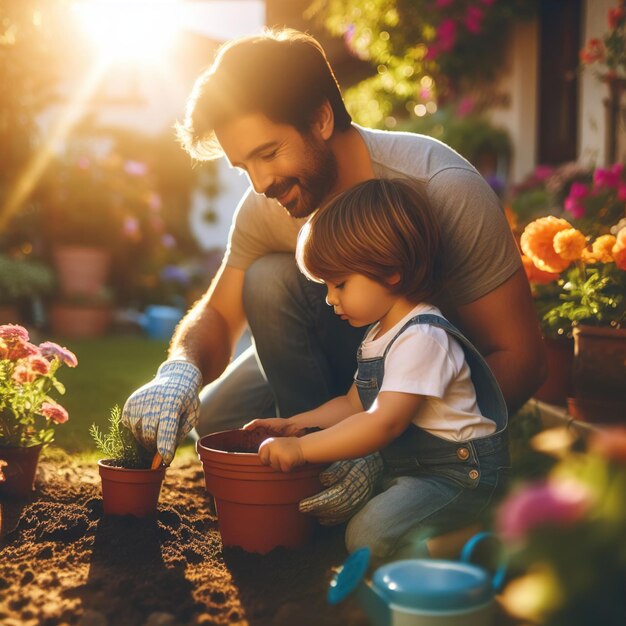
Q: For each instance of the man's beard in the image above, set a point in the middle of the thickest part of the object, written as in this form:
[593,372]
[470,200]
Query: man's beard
[314,185]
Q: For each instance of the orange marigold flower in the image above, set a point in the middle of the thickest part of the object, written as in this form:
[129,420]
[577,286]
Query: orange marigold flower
[619,254]
[569,244]
[588,256]
[535,275]
[537,243]
[601,248]
[620,239]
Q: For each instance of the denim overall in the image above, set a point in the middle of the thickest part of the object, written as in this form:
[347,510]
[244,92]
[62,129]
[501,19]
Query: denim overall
[455,480]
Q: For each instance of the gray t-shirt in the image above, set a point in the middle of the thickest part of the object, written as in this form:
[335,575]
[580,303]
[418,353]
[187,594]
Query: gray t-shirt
[478,247]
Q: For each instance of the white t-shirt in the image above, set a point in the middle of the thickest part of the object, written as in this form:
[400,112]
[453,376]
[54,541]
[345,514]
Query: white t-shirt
[425,360]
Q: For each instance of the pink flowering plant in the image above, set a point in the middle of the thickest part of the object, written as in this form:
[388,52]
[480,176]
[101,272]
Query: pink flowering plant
[28,413]
[566,535]
[607,55]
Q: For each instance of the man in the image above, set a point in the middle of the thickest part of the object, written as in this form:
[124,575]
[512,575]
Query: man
[272,106]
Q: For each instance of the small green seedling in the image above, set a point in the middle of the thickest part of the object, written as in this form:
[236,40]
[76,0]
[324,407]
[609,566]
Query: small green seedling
[119,445]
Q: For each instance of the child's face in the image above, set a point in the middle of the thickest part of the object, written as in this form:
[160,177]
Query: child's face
[359,299]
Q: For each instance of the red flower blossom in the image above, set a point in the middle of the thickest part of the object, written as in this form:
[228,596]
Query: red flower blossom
[592,52]
[20,349]
[54,412]
[12,332]
[22,374]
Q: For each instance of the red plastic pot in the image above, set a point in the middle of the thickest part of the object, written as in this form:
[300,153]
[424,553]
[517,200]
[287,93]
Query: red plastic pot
[129,491]
[20,470]
[257,506]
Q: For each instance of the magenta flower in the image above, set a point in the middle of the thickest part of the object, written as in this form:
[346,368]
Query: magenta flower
[446,35]
[54,412]
[542,504]
[474,19]
[574,207]
[608,177]
[621,192]
[578,191]
[432,52]
[51,350]
[465,107]
[11,332]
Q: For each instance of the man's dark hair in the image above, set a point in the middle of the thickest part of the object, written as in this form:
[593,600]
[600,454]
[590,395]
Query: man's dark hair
[283,74]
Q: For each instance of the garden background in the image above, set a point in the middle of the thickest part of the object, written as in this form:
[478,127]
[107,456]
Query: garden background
[530,91]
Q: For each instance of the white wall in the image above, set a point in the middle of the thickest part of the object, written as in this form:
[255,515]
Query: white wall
[591,122]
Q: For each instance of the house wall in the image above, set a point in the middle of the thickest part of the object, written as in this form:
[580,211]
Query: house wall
[592,128]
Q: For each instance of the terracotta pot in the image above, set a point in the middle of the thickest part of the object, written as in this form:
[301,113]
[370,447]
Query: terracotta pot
[599,375]
[76,321]
[559,360]
[20,470]
[257,506]
[129,491]
[82,270]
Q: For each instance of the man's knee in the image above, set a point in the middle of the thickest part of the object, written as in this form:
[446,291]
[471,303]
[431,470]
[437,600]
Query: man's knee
[364,530]
[268,282]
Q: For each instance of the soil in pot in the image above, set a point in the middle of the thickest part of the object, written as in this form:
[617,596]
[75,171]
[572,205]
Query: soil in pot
[20,470]
[257,506]
[130,491]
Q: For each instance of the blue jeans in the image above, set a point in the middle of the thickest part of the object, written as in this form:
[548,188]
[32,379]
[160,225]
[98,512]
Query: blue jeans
[302,353]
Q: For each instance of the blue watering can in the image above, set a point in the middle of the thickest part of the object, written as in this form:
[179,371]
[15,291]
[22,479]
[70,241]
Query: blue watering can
[159,321]
[421,592]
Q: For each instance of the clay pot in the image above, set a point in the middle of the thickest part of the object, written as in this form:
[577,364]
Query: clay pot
[20,470]
[9,314]
[129,491]
[599,375]
[559,361]
[82,270]
[75,321]
[257,506]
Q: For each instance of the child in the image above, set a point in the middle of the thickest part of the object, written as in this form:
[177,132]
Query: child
[440,426]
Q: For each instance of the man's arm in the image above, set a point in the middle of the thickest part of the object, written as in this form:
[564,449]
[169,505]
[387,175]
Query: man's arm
[208,334]
[503,326]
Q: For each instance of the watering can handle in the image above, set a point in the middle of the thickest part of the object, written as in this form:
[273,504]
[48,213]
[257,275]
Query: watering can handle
[468,549]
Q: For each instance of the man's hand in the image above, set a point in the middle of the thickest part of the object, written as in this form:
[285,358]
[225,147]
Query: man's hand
[283,453]
[350,484]
[275,426]
[162,412]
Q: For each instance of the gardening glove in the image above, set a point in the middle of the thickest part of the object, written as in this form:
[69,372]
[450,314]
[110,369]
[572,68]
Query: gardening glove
[350,484]
[161,413]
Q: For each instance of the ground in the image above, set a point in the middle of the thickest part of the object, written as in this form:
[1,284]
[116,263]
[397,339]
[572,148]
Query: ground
[63,563]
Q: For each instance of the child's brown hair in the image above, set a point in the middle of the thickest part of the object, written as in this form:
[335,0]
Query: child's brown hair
[378,228]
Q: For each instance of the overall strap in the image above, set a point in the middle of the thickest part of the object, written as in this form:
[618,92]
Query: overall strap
[488,394]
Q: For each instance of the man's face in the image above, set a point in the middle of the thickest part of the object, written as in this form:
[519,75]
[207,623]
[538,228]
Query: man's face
[298,170]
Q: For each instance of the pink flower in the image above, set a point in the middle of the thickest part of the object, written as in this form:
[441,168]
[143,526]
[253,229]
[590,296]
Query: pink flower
[608,177]
[38,365]
[54,412]
[616,16]
[592,52]
[446,35]
[23,374]
[578,191]
[574,207]
[21,349]
[12,332]
[473,19]
[540,505]
[432,52]
[621,192]
[51,350]
[542,172]
[465,107]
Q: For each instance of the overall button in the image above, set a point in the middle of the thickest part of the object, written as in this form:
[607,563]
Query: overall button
[473,474]
[463,454]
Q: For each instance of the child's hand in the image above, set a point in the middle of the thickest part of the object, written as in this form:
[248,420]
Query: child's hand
[283,453]
[275,426]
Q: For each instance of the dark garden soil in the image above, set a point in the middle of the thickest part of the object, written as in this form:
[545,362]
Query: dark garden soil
[62,562]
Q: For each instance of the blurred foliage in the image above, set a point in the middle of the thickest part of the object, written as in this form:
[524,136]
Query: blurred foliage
[423,50]
[21,279]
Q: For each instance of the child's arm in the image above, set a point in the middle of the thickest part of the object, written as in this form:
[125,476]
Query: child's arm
[354,436]
[324,416]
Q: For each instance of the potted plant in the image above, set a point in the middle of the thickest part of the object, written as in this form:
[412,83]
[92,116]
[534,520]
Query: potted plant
[131,476]
[82,315]
[21,280]
[28,413]
[585,297]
